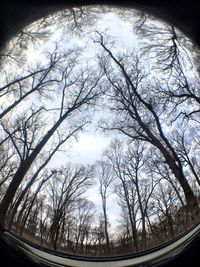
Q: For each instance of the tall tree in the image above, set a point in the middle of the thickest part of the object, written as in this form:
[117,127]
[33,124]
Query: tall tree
[84,218]
[137,116]
[105,177]
[77,93]
[136,160]
[125,189]
[67,186]
[37,173]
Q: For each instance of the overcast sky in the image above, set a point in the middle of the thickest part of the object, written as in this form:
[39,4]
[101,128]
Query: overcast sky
[91,143]
[88,148]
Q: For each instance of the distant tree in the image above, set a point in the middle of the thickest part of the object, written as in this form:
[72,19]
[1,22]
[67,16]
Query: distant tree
[67,185]
[137,184]
[125,189]
[33,198]
[83,218]
[98,236]
[36,174]
[105,176]
[31,219]
[165,205]
[45,214]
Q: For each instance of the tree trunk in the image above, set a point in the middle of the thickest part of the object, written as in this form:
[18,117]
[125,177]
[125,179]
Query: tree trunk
[54,230]
[106,227]
[23,169]
[13,212]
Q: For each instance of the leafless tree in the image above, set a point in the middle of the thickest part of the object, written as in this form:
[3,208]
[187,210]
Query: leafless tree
[165,205]
[8,164]
[36,174]
[70,20]
[135,168]
[105,177]
[175,55]
[125,190]
[33,198]
[170,46]
[15,49]
[135,189]
[31,217]
[188,151]
[98,236]
[83,221]
[75,18]
[158,168]
[77,93]
[45,214]
[38,80]
[67,185]
[139,118]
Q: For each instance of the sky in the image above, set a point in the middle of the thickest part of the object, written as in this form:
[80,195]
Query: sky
[91,143]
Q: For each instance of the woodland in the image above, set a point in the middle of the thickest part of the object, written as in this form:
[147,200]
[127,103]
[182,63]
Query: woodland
[148,99]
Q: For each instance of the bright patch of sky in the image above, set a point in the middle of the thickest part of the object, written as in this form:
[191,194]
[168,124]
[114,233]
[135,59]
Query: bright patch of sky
[117,28]
[113,209]
[89,147]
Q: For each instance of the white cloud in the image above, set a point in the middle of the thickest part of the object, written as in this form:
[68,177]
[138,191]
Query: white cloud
[89,147]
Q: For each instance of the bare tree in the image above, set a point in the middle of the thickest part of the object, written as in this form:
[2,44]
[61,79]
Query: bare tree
[75,18]
[14,52]
[165,205]
[8,164]
[43,225]
[125,190]
[36,174]
[187,151]
[157,167]
[33,198]
[98,236]
[139,117]
[137,184]
[83,220]
[137,172]
[76,94]
[20,87]
[67,185]
[174,54]
[71,21]
[105,177]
